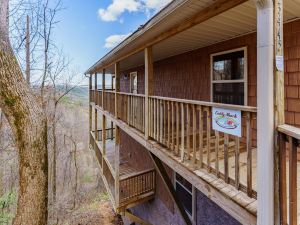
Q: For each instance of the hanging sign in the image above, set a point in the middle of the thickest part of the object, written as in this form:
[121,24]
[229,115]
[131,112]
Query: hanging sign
[227,121]
[279,63]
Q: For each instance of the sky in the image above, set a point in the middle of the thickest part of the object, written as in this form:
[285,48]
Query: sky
[88,29]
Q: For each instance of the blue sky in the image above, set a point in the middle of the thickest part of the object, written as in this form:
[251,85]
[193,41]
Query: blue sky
[90,28]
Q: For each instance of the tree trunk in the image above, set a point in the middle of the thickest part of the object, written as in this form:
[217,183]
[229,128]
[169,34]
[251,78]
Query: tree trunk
[29,127]
[54,155]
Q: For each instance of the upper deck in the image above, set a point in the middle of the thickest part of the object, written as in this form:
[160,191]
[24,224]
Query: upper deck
[165,93]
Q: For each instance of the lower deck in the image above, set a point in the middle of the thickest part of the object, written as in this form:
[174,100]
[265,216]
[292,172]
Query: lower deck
[130,186]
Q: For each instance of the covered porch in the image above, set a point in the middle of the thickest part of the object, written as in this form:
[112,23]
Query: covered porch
[170,109]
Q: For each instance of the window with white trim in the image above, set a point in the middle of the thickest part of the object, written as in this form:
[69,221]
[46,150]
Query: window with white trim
[133,82]
[185,192]
[229,76]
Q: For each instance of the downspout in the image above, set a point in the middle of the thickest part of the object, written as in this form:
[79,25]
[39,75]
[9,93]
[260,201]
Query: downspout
[265,113]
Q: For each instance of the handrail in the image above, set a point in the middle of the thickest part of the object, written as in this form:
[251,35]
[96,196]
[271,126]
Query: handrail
[109,91]
[128,176]
[131,94]
[290,131]
[211,104]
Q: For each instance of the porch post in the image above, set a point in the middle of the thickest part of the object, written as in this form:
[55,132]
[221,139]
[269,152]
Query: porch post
[265,112]
[90,107]
[117,166]
[279,199]
[103,88]
[148,85]
[96,112]
[117,87]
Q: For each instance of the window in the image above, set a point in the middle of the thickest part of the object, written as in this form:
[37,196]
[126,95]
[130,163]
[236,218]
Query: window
[185,193]
[229,75]
[133,82]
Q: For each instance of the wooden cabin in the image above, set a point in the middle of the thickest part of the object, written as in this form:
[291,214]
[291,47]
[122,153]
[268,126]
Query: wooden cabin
[194,117]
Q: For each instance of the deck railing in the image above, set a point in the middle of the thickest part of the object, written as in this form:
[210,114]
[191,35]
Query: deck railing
[137,185]
[184,128]
[92,95]
[98,98]
[131,109]
[109,101]
[289,141]
[109,134]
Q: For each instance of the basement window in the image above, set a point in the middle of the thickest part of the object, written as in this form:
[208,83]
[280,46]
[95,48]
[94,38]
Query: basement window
[229,76]
[185,192]
[133,82]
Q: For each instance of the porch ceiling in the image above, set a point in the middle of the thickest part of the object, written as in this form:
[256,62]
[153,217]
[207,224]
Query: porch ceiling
[230,24]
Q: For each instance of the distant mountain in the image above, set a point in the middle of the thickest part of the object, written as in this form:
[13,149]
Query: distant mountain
[80,92]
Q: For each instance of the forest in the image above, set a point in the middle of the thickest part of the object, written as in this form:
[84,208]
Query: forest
[48,174]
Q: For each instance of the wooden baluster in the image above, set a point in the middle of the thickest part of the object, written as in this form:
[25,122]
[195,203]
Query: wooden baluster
[194,134]
[154,120]
[237,163]
[158,120]
[172,126]
[188,130]
[169,125]
[200,136]
[249,154]
[293,180]
[226,141]
[217,143]
[208,136]
[182,132]
[161,114]
[151,116]
[177,128]
[165,123]
[128,109]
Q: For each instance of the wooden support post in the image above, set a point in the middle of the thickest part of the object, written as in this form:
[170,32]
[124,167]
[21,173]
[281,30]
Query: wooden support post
[265,112]
[117,167]
[170,188]
[117,88]
[148,86]
[90,107]
[103,89]
[278,101]
[96,112]
[103,134]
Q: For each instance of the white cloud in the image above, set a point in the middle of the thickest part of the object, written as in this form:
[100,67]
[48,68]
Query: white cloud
[113,40]
[155,4]
[118,7]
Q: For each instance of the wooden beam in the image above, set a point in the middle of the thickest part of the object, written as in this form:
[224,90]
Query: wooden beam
[117,88]
[103,134]
[215,9]
[148,86]
[96,113]
[90,107]
[103,87]
[265,114]
[134,218]
[278,101]
[117,167]
[170,188]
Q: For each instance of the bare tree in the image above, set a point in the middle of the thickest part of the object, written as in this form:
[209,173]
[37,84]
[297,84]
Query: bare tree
[28,50]
[28,123]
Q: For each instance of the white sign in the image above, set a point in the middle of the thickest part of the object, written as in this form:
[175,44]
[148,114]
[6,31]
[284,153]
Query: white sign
[227,121]
[279,63]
